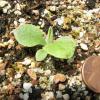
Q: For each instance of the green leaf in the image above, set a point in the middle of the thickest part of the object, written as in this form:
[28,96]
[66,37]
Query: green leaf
[41,55]
[29,35]
[49,38]
[63,47]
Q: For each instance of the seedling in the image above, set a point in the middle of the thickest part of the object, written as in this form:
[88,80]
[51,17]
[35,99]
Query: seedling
[30,35]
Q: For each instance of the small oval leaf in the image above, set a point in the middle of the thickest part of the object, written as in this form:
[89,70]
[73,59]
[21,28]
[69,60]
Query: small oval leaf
[29,35]
[63,47]
[41,55]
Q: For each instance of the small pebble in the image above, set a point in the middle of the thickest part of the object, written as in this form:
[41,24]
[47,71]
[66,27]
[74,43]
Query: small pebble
[60,21]
[47,72]
[87,98]
[2,72]
[66,97]
[26,96]
[11,41]
[85,93]
[1,60]
[5,10]
[18,6]
[84,46]
[21,20]
[2,66]
[3,3]
[59,95]
[21,95]
[32,74]
[36,12]
[15,23]
[61,87]
[49,96]
[52,8]
[38,70]
[46,11]
[17,12]
[33,65]
[27,86]
[30,90]
[59,78]
[18,75]
[81,34]
[51,79]
[26,61]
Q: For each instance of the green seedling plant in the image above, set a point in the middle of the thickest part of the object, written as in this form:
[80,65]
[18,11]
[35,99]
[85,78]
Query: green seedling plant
[30,35]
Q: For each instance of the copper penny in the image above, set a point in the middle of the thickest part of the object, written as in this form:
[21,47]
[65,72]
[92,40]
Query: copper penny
[91,73]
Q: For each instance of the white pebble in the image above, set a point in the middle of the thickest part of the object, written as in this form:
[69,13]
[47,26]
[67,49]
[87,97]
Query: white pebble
[17,12]
[1,60]
[18,75]
[21,95]
[5,10]
[15,23]
[46,11]
[26,61]
[84,46]
[36,12]
[69,7]
[49,95]
[52,8]
[39,22]
[81,34]
[38,70]
[21,20]
[3,3]
[61,87]
[27,86]
[47,72]
[60,21]
[17,7]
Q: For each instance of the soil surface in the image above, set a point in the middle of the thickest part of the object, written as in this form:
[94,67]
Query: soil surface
[21,76]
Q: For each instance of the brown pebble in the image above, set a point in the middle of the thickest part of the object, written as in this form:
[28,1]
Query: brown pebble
[91,73]
[3,65]
[34,82]
[32,74]
[59,78]
[10,88]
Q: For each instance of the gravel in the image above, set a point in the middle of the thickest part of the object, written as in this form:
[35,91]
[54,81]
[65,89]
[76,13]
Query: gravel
[52,79]
[66,97]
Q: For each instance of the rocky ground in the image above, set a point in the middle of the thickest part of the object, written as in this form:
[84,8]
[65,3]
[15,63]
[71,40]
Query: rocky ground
[21,76]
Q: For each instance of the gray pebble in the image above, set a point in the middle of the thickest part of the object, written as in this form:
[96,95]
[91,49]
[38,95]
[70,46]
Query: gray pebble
[78,98]
[88,98]
[59,94]
[85,93]
[66,97]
